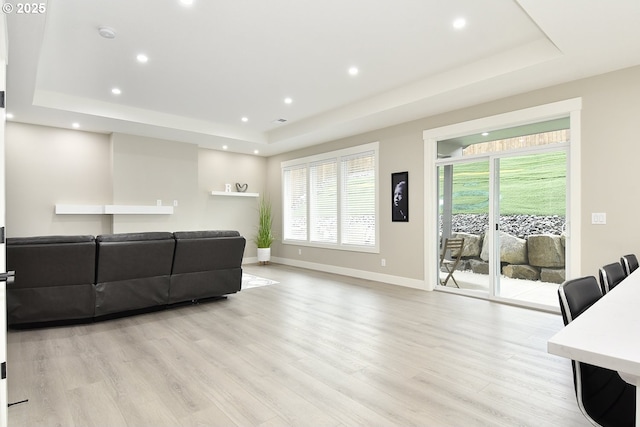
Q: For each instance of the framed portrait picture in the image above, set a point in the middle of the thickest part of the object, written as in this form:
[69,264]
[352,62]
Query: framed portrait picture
[400,197]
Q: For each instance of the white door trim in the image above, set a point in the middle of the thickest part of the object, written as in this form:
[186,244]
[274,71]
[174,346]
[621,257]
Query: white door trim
[571,107]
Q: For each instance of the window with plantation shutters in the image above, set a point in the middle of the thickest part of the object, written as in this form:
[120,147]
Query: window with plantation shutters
[359,199]
[330,200]
[323,201]
[295,203]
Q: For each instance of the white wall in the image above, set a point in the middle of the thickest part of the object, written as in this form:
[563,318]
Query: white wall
[610,153]
[50,165]
[218,168]
[45,166]
[146,170]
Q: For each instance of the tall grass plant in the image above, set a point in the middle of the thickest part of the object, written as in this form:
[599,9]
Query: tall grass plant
[264,237]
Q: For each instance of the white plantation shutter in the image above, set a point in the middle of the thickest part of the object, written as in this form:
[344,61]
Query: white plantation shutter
[295,203]
[323,201]
[330,200]
[359,199]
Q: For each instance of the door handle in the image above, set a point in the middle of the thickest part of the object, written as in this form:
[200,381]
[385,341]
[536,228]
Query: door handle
[6,276]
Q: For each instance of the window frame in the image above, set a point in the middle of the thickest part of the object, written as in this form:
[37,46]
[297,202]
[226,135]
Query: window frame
[338,155]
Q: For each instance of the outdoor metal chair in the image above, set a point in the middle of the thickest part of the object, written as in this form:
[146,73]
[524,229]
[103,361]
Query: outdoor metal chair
[453,248]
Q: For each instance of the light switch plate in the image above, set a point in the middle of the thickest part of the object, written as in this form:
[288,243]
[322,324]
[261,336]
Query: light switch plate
[598,218]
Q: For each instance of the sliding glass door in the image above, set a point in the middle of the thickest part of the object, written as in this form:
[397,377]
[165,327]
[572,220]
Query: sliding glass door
[531,212]
[507,199]
[464,189]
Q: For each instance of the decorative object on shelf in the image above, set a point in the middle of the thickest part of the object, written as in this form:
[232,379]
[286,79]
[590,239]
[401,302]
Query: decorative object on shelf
[241,187]
[400,196]
[264,238]
[227,188]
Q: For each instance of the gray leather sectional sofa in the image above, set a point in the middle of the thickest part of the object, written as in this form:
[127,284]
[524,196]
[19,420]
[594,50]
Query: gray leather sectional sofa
[69,278]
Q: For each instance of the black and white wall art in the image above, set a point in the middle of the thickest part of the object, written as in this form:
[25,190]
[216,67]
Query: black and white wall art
[400,197]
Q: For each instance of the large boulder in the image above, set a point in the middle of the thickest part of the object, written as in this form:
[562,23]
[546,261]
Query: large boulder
[546,250]
[513,250]
[464,264]
[472,244]
[525,272]
[552,275]
[479,267]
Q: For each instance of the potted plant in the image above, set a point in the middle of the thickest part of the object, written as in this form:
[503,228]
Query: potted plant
[264,238]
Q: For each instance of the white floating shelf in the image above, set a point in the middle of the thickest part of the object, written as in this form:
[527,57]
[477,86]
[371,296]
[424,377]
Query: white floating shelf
[79,209]
[113,210]
[234,194]
[138,210]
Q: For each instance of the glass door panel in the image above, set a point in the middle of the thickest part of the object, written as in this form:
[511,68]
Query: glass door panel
[463,195]
[532,217]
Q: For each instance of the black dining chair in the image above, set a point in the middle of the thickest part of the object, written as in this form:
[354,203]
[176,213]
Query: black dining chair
[610,276]
[603,396]
[629,263]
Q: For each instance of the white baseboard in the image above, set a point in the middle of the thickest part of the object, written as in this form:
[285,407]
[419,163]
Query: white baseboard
[351,272]
[250,260]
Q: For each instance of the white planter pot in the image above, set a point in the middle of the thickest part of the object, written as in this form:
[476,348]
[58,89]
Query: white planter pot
[264,254]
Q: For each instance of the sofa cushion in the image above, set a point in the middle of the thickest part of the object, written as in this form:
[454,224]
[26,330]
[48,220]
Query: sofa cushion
[135,237]
[133,271]
[195,254]
[206,264]
[205,234]
[54,278]
[51,260]
[134,256]
[19,241]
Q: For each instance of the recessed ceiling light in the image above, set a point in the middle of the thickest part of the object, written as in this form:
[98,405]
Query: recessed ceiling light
[75,125]
[353,71]
[116,91]
[9,116]
[224,147]
[142,58]
[256,152]
[245,119]
[485,133]
[288,100]
[186,2]
[107,32]
[459,23]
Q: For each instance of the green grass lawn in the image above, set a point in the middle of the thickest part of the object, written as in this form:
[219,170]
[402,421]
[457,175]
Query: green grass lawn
[532,184]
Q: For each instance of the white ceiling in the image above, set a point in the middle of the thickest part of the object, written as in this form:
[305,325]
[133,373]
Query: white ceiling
[217,61]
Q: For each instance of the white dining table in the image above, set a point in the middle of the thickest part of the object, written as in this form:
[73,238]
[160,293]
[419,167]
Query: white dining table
[607,334]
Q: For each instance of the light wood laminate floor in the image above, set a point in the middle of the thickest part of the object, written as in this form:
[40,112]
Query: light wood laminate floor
[313,350]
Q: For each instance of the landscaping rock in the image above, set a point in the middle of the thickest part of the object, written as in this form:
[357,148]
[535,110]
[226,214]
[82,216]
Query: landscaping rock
[525,272]
[464,264]
[518,225]
[472,244]
[532,247]
[479,267]
[552,275]
[513,250]
[546,250]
